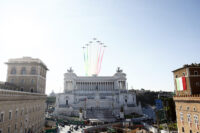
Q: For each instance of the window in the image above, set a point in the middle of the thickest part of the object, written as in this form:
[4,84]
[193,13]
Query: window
[33,70]
[176,76]
[126,100]
[197,84]
[183,129]
[31,89]
[183,73]
[22,89]
[196,120]
[21,124]
[13,71]
[189,118]
[190,131]
[195,73]
[194,109]
[2,117]
[8,129]
[188,108]
[10,115]
[181,117]
[23,70]
[1,131]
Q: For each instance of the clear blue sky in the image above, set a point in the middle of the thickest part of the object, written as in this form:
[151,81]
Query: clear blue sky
[147,39]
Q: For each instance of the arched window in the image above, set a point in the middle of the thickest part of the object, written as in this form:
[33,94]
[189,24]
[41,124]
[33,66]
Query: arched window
[13,71]
[196,120]
[33,70]
[23,70]
[189,118]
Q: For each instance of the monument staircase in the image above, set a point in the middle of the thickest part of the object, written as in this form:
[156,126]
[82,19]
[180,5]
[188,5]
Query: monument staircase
[101,114]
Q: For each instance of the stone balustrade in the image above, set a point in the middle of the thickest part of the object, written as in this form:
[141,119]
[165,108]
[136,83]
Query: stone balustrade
[10,95]
[4,92]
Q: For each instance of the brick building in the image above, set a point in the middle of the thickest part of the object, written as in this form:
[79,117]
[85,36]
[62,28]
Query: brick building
[187,98]
[22,97]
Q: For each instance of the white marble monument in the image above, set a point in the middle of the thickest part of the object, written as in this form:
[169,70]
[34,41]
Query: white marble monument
[100,97]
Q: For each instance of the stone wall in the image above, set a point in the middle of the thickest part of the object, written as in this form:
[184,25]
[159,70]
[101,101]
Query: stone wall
[21,112]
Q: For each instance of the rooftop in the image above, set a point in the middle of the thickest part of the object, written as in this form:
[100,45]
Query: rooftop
[187,65]
[25,60]
[119,74]
[194,98]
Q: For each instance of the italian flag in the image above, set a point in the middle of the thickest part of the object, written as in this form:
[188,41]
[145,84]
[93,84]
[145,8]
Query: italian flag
[181,84]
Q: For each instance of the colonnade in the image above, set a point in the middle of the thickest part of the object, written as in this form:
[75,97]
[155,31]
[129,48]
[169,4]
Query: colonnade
[122,84]
[92,86]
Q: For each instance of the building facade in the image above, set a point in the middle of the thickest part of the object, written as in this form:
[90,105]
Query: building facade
[105,94]
[27,73]
[187,98]
[21,112]
[22,97]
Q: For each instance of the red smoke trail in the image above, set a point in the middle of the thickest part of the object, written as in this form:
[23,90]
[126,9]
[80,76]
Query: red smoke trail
[97,60]
[101,59]
[90,59]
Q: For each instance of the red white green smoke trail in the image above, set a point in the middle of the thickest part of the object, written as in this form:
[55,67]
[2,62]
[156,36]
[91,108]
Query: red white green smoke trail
[93,56]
